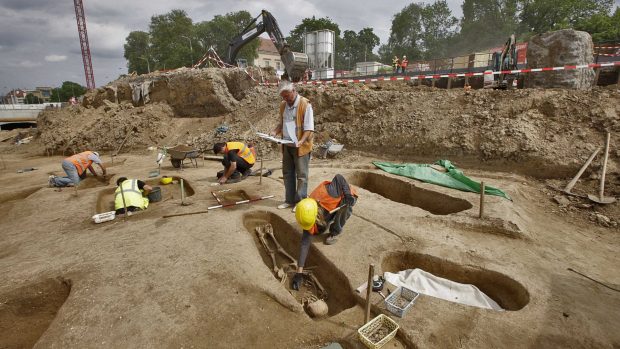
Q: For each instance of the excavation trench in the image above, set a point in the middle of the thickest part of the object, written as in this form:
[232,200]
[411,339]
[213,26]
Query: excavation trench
[507,292]
[105,198]
[407,193]
[333,280]
[27,312]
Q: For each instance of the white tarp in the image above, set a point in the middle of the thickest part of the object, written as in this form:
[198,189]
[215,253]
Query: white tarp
[428,284]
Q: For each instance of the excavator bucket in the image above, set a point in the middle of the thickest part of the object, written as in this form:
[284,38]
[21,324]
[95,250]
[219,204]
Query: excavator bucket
[295,64]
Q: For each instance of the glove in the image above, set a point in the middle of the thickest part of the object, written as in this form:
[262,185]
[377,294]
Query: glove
[349,200]
[298,279]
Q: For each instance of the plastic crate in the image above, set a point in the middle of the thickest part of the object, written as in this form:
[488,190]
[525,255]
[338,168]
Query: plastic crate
[366,331]
[404,292]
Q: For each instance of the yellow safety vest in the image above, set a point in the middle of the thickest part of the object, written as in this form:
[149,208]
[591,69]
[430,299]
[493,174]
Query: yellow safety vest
[243,151]
[133,195]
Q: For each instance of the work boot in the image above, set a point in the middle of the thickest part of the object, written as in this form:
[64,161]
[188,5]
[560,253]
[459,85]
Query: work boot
[51,182]
[331,239]
[284,205]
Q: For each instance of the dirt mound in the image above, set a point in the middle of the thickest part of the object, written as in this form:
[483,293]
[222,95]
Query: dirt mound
[544,133]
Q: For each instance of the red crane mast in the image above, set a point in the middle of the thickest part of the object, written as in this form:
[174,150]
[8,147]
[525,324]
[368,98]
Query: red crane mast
[81,24]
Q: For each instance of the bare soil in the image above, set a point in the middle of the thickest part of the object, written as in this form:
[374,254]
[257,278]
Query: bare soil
[203,280]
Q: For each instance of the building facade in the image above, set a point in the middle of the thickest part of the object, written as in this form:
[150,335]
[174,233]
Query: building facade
[268,55]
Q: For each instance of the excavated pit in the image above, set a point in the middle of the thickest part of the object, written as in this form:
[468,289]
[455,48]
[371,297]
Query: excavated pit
[93,182]
[507,292]
[105,198]
[407,193]
[27,312]
[19,194]
[340,295]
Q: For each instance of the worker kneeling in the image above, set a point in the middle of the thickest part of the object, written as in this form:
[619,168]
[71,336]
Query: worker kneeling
[130,195]
[328,208]
[238,160]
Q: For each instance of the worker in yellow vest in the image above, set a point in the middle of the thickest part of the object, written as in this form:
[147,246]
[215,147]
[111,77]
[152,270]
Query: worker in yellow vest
[131,196]
[238,160]
[75,167]
[328,208]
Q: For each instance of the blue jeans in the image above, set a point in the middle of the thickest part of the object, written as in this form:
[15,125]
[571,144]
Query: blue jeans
[295,172]
[72,175]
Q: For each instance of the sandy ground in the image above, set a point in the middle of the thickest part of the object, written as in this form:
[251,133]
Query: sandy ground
[203,280]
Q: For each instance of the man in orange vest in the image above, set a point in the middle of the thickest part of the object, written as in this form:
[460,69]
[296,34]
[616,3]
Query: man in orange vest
[328,208]
[296,126]
[403,65]
[238,160]
[75,167]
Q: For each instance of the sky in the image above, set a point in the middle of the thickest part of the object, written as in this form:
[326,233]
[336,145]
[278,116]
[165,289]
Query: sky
[39,43]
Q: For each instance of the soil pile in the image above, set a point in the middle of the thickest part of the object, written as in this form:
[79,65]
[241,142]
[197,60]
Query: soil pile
[544,133]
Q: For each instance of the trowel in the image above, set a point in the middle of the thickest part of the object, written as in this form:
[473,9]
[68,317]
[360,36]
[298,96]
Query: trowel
[601,199]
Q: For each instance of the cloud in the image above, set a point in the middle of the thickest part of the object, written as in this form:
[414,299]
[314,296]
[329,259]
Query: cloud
[29,64]
[55,58]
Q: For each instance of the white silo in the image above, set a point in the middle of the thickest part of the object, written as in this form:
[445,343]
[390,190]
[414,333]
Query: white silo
[320,47]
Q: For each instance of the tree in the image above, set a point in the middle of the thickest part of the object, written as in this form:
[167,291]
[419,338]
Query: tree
[601,26]
[32,99]
[221,30]
[485,24]
[420,31]
[169,47]
[540,16]
[66,91]
[137,52]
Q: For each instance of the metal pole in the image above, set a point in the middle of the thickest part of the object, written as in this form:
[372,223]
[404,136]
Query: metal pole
[371,273]
[124,204]
[182,192]
[260,180]
[600,193]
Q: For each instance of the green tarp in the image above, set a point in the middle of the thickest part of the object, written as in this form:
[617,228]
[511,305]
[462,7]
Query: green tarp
[453,178]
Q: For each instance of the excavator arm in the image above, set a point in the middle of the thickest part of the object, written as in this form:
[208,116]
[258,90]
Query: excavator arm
[295,63]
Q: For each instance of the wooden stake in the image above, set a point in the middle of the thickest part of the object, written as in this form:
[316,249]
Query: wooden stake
[371,273]
[602,188]
[449,83]
[182,192]
[598,72]
[481,200]
[260,180]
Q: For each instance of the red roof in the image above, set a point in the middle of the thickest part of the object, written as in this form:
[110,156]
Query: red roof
[266,46]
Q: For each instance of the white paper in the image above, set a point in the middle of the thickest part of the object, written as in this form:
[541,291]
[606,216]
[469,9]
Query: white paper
[273,139]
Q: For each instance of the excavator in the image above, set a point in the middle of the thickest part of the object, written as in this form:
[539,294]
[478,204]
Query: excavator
[503,60]
[295,63]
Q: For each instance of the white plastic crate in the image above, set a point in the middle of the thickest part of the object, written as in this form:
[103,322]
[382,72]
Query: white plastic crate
[401,292]
[367,331]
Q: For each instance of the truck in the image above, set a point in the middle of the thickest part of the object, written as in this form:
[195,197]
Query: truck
[295,63]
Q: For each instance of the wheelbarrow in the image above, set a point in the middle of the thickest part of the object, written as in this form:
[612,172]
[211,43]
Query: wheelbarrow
[180,153]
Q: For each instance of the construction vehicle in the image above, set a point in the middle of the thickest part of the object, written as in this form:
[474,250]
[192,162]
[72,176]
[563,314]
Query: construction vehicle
[295,63]
[502,61]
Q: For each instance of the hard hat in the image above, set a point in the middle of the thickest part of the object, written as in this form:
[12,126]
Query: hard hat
[96,154]
[165,180]
[305,213]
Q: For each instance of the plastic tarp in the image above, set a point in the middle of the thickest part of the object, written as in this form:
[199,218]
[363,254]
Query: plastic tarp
[452,178]
[428,284]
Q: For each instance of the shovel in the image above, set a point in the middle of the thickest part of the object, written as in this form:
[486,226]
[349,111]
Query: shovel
[601,199]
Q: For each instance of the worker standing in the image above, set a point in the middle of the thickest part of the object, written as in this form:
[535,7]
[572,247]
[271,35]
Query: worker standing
[75,167]
[297,126]
[403,64]
[314,217]
[238,160]
[396,64]
[131,196]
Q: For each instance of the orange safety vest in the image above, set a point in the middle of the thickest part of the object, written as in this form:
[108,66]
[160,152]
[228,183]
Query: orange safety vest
[81,161]
[305,148]
[404,63]
[327,201]
[245,152]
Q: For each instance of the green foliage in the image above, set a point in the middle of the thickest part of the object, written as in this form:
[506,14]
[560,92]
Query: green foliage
[540,16]
[66,91]
[169,45]
[32,99]
[221,30]
[485,24]
[358,47]
[137,51]
[601,26]
[420,31]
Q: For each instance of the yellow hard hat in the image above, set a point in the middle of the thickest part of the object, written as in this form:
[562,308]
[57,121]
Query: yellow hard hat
[165,180]
[305,213]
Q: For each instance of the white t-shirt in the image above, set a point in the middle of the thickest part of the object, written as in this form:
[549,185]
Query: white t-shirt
[94,158]
[290,116]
